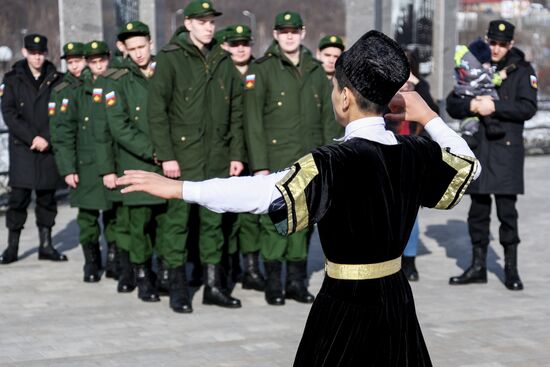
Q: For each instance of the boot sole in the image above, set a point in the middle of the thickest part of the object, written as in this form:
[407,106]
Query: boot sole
[481,281]
[210,303]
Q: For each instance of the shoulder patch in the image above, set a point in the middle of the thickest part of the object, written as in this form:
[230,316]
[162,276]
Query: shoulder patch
[58,88]
[534,81]
[110,98]
[2,89]
[171,47]
[119,73]
[64,105]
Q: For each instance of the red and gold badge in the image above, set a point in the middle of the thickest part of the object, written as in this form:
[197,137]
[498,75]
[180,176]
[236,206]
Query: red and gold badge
[96,95]
[250,81]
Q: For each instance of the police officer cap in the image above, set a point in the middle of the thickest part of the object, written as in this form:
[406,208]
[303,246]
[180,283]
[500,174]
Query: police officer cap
[331,41]
[288,19]
[199,9]
[36,42]
[73,49]
[96,48]
[132,29]
[376,67]
[238,32]
[501,30]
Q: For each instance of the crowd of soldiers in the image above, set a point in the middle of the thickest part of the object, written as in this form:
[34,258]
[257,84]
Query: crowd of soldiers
[202,108]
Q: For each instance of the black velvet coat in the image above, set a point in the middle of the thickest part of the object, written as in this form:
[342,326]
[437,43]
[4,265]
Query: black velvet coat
[502,159]
[365,197]
[25,112]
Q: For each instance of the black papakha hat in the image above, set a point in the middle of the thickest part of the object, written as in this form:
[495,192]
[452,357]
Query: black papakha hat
[376,67]
[36,42]
[501,30]
[480,50]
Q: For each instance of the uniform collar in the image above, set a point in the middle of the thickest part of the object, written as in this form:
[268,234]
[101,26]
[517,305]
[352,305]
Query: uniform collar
[370,128]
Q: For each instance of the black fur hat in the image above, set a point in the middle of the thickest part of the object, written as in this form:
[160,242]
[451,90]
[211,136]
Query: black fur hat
[480,50]
[376,66]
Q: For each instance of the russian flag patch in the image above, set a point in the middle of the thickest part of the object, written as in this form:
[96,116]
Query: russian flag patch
[534,81]
[64,105]
[110,99]
[96,94]
[249,81]
[51,108]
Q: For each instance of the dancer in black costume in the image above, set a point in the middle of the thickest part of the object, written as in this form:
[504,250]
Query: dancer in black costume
[364,193]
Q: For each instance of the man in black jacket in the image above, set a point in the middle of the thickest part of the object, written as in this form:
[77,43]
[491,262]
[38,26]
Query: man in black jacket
[501,156]
[26,93]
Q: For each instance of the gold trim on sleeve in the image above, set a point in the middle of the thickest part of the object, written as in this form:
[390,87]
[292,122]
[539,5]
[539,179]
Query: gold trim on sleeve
[362,271]
[292,187]
[465,169]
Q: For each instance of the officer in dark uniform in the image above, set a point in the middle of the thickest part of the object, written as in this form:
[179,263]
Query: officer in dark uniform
[329,50]
[25,104]
[502,157]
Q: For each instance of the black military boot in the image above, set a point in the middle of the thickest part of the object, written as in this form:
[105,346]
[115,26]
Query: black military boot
[10,253]
[91,268]
[409,268]
[45,250]
[213,292]
[180,301]
[296,282]
[196,275]
[252,277]
[477,272]
[274,287]
[163,278]
[111,266]
[511,275]
[126,277]
[144,280]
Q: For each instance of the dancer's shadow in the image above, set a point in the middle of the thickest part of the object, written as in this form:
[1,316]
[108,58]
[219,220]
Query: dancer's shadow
[64,240]
[454,238]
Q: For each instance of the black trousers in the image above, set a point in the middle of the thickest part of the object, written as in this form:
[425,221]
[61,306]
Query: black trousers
[18,202]
[479,219]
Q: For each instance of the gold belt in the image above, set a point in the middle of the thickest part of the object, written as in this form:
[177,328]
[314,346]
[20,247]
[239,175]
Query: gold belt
[362,271]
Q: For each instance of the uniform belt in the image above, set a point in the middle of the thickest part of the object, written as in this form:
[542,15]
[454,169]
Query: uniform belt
[362,271]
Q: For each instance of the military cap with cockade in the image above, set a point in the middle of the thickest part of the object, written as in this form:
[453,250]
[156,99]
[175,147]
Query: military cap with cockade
[331,41]
[73,49]
[132,29]
[288,19]
[36,42]
[96,48]
[199,9]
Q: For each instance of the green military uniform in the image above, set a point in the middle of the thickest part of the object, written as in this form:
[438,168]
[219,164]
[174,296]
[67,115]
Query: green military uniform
[288,112]
[126,93]
[195,116]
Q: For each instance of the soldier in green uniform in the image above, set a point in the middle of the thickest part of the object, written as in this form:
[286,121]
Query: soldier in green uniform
[329,50]
[75,149]
[288,111]
[195,117]
[126,108]
[245,229]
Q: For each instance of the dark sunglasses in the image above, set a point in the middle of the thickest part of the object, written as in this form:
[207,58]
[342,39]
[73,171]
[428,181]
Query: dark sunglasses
[500,44]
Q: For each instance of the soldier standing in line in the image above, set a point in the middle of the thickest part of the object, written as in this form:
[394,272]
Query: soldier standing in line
[288,112]
[76,148]
[329,50]
[25,94]
[246,227]
[195,117]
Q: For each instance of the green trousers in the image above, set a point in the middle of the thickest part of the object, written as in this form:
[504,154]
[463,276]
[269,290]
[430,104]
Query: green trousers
[145,228]
[121,229]
[177,230]
[88,224]
[244,233]
[275,247]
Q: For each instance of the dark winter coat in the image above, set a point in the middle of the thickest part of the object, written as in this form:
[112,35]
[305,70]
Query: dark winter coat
[25,111]
[502,159]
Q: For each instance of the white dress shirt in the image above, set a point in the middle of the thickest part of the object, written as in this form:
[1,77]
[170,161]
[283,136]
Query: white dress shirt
[254,194]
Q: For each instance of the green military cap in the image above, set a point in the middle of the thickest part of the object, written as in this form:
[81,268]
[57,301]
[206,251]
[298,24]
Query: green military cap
[96,48]
[131,29]
[238,32]
[220,35]
[332,41]
[288,19]
[199,9]
[73,49]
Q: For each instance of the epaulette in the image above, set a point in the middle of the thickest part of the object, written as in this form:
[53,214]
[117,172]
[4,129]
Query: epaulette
[171,47]
[58,88]
[118,74]
[109,72]
[263,58]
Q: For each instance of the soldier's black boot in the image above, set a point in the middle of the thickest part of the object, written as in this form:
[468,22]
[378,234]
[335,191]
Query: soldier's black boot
[111,266]
[45,250]
[180,301]
[477,272]
[274,287]
[196,275]
[409,268]
[126,277]
[144,281]
[252,277]
[235,270]
[296,278]
[213,291]
[163,278]
[91,268]
[511,275]
[10,253]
